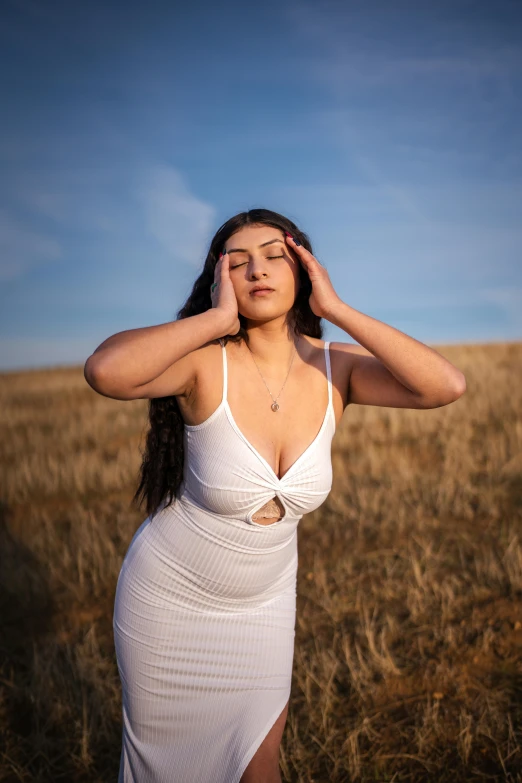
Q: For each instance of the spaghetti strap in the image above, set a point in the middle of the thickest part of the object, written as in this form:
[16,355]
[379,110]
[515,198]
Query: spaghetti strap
[328,370]
[225,371]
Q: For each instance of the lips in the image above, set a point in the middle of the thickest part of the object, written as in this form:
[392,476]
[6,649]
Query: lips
[265,288]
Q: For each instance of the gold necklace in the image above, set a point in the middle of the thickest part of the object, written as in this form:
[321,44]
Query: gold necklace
[275,404]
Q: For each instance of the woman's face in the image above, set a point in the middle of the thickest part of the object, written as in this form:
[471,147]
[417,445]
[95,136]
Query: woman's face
[260,255]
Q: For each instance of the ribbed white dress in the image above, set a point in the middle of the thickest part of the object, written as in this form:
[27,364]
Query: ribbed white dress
[204,613]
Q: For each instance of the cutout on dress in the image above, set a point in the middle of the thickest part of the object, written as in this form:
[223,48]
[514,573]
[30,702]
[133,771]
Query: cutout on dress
[273,509]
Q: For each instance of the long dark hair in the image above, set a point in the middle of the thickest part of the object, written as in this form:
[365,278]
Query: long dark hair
[162,464]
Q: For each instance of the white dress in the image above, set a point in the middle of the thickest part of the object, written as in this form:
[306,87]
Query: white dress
[204,613]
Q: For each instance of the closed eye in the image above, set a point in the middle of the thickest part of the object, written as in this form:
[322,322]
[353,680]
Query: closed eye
[244,262]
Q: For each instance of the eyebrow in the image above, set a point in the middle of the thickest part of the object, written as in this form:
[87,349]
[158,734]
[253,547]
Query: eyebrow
[241,250]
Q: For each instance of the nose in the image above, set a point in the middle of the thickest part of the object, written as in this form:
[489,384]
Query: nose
[257,268]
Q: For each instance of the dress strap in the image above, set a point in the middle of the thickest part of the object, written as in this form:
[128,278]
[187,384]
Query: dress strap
[225,371]
[328,370]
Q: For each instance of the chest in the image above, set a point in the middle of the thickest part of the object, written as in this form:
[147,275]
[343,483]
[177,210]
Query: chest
[280,437]
[226,475]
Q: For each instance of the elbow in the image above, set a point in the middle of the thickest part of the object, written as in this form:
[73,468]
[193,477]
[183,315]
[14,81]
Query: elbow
[97,375]
[458,386]
[455,389]
[91,372]
[101,375]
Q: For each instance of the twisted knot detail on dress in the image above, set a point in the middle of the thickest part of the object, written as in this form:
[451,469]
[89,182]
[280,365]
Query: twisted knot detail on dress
[227,475]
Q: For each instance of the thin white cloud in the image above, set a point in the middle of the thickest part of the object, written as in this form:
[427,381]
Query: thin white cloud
[179,221]
[342,50]
[122,212]
[347,68]
[22,247]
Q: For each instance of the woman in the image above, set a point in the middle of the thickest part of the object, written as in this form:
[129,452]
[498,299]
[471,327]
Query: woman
[244,401]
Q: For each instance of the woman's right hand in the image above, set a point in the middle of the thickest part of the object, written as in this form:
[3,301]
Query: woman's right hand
[223,296]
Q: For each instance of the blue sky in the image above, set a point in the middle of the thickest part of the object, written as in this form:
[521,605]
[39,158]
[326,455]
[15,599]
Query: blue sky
[389,131]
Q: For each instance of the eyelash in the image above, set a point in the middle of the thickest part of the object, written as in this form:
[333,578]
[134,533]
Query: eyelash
[268,257]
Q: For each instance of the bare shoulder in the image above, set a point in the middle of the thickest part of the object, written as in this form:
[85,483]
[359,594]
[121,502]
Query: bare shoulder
[341,363]
[343,357]
[340,353]
[350,349]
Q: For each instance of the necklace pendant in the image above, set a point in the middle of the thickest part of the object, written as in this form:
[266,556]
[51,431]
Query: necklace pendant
[275,406]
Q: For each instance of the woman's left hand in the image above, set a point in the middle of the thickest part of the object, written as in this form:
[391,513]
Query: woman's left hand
[323,298]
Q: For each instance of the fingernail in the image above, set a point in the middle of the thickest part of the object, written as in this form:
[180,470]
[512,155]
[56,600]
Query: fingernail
[297,242]
[288,234]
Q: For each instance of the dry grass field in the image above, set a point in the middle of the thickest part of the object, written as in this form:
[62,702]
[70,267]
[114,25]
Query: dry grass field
[408,656]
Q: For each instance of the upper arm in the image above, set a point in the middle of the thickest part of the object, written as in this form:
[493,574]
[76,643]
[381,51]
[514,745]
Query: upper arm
[178,379]
[369,382]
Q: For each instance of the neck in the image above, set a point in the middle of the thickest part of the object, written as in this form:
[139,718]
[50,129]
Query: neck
[272,342]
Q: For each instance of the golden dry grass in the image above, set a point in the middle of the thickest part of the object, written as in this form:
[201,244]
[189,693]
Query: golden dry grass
[408,656]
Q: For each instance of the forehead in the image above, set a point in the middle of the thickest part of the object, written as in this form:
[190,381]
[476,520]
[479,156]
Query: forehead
[253,236]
